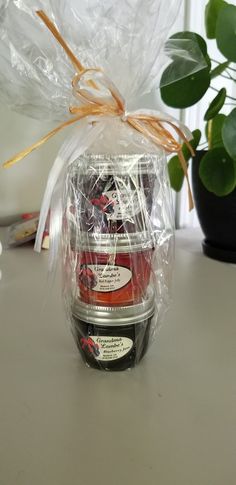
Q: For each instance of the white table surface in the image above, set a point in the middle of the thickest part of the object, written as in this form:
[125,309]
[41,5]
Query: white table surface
[170,421]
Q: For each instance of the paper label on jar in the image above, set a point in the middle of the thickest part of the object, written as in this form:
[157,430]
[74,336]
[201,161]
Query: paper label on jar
[107,348]
[103,277]
[122,204]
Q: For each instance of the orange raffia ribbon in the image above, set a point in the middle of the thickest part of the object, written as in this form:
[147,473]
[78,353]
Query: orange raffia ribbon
[93,104]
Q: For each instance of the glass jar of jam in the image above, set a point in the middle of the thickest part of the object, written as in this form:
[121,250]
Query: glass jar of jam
[113,270]
[112,339]
[113,193]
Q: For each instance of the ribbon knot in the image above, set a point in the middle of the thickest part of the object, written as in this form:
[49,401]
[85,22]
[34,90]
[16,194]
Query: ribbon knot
[124,117]
[97,93]
[99,97]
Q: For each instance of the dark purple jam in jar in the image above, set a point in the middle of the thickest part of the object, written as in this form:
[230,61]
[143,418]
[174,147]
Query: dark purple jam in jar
[113,193]
[112,339]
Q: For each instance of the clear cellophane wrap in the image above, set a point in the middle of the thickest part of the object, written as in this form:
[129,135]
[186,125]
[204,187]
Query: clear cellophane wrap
[108,191]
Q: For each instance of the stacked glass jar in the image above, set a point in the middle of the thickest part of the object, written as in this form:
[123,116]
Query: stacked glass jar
[115,228]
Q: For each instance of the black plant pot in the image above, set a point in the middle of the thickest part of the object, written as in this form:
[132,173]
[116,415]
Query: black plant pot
[217,216]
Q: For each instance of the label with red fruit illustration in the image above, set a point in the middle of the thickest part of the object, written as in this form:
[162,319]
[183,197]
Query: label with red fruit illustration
[111,348]
[118,205]
[104,278]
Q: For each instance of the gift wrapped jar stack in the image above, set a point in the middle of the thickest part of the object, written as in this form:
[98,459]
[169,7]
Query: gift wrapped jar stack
[109,257]
[88,65]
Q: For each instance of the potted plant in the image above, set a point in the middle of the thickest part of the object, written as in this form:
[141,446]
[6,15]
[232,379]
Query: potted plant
[213,169]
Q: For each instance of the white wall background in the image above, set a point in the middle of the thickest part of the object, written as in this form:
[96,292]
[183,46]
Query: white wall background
[21,187]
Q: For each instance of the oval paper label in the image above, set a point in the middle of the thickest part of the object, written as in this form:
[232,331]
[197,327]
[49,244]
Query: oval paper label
[104,277]
[111,348]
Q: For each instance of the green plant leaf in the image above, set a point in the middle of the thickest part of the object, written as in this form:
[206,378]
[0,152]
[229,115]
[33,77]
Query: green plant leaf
[226,32]
[175,170]
[211,15]
[176,173]
[194,144]
[214,131]
[219,69]
[217,172]
[229,134]
[208,61]
[187,34]
[196,40]
[186,92]
[190,89]
[216,105]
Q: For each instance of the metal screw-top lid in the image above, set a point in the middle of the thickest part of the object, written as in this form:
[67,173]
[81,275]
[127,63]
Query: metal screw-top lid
[126,164]
[112,243]
[115,316]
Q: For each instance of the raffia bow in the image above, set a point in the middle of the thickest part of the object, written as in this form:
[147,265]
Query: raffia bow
[99,97]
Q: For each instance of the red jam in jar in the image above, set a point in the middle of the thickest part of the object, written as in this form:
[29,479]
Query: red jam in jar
[114,270]
[114,338]
[113,193]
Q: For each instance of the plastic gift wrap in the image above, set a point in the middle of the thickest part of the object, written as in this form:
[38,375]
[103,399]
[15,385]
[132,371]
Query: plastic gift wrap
[111,222]
[118,241]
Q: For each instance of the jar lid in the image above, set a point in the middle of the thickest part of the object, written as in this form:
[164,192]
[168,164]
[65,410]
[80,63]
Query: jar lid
[115,316]
[113,243]
[126,164]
